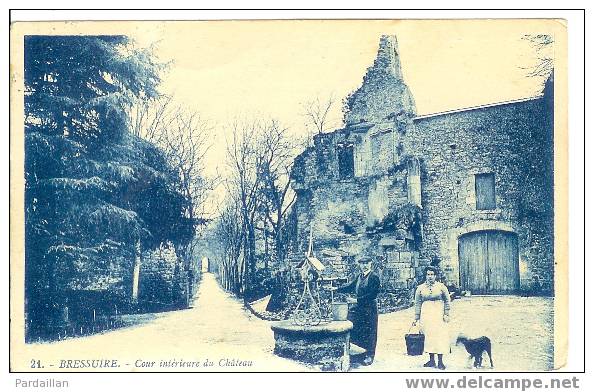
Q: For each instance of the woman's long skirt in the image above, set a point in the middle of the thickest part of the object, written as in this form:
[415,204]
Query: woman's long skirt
[437,337]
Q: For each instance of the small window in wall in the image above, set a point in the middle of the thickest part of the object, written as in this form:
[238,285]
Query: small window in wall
[346,161]
[485,191]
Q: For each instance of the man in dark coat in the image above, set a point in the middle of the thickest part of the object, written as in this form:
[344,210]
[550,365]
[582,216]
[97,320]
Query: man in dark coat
[364,314]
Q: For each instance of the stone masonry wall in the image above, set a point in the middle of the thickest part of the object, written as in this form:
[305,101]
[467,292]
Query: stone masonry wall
[349,216]
[360,215]
[162,281]
[383,94]
[407,166]
[514,141]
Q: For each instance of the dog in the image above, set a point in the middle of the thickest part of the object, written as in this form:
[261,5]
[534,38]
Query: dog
[476,348]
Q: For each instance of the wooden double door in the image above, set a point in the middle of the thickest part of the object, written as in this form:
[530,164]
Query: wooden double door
[489,262]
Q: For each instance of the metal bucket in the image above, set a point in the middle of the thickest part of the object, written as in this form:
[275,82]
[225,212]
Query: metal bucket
[340,311]
[415,343]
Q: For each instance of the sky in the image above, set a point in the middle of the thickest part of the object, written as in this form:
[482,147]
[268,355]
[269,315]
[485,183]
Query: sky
[243,70]
[230,70]
[227,70]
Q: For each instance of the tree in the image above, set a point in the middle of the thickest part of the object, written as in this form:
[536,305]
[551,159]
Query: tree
[94,193]
[278,151]
[252,221]
[315,113]
[542,44]
[79,86]
[183,137]
[228,243]
[243,187]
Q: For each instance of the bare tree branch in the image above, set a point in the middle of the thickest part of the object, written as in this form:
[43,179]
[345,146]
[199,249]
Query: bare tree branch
[543,46]
[259,159]
[316,112]
[184,138]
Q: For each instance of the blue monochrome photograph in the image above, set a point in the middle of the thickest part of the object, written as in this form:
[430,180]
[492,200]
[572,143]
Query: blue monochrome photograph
[289,196]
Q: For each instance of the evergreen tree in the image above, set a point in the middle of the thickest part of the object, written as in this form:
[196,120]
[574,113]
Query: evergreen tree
[93,192]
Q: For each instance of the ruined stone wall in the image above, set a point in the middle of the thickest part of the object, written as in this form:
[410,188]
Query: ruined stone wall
[514,141]
[382,155]
[335,209]
[403,162]
[383,94]
[354,216]
[363,214]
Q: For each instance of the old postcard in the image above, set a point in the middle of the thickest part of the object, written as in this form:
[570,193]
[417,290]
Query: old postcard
[289,195]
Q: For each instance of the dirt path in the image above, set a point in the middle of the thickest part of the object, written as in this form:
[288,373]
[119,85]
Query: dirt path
[217,328]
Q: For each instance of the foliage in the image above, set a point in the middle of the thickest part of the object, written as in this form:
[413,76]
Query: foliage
[92,190]
[79,86]
[403,216]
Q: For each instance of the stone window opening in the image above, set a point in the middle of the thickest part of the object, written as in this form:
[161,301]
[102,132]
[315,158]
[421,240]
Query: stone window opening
[485,191]
[346,161]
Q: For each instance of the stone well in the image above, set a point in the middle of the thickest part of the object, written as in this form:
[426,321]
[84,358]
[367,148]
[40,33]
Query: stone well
[326,344]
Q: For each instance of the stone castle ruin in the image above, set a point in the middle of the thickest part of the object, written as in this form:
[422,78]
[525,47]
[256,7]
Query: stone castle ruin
[469,190]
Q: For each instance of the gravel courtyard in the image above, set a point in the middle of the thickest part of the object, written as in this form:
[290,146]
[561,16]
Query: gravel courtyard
[219,329]
[520,329]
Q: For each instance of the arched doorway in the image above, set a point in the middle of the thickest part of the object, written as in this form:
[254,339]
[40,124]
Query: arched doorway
[489,262]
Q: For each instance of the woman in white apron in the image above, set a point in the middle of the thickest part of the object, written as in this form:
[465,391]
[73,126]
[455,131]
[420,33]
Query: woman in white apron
[432,309]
